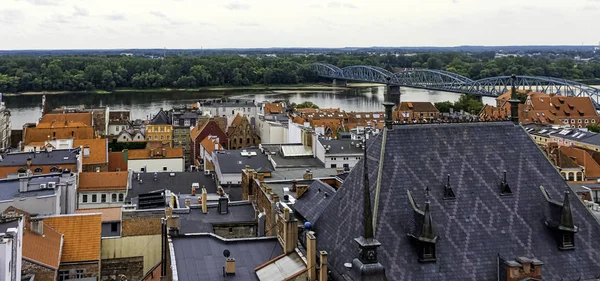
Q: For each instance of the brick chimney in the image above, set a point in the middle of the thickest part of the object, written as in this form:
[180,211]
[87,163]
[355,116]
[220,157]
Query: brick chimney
[323,266]
[223,205]
[37,226]
[300,190]
[522,268]
[204,199]
[311,255]
[290,231]
[308,175]
[260,177]
[294,185]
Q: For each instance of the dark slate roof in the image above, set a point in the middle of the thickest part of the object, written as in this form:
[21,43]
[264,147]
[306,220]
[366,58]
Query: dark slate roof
[197,222]
[56,157]
[314,201]
[161,118]
[177,182]
[200,257]
[342,146]
[4,226]
[281,118]
[9,188]
[475,227]
[232,161]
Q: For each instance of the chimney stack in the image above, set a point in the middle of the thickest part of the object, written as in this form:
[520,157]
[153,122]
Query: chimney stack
[311,255]
[37,226]
[229,266]
[294,185]
[323,266]
[300,190]
[514,101]
[204,201]
[388,104]
[308,175]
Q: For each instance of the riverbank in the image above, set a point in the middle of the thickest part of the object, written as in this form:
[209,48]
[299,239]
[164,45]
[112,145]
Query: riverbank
[287,88]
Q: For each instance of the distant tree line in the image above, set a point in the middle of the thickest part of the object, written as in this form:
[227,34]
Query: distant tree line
[87,73]
[466,103]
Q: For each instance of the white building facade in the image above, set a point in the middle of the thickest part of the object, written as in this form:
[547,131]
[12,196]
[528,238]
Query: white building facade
[11,251]
[157,165]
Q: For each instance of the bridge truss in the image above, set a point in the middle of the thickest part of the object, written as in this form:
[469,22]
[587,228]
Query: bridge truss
[451,82]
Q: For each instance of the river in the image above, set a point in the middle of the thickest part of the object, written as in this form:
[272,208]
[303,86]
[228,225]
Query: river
[27,108]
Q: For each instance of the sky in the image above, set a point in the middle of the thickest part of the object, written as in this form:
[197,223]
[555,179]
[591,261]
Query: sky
[195,24]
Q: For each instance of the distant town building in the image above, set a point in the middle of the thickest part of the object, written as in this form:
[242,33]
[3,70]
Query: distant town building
[229,109]
[229,164]
[339,153]
[102,189]
[577,112]
[207,128]
[160,129]
[152,160]
[11,249]
[409,112]
[118,121]
[183,120]
[131,136]
[51,161]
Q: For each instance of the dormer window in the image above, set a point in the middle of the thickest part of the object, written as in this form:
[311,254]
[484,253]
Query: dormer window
[38,170]
[567,241]
[504,188]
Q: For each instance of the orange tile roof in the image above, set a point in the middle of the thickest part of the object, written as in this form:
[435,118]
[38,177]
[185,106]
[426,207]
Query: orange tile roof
[209,144]
[136,154]
[195,131]
[98,150]
[42,249]
[82,234]
[38,134]
[417,106]
[582,158]
[61,125]
[116,161]
[298,120]
[237,120]
[84,117]
[273,108]
[108,214]
[102,181]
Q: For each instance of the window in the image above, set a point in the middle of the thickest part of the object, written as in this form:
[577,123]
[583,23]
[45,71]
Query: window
[333,158]
[103,198]
[333,166]
[563,175]
[84,198]
[117,129]
[54,169]
[149,137]
[176,122]
[164,168]
[186,123]
[162,129]
[113,197]
[143,170]
[248,140]
[572,121]
[346,165]
[571,176]
[114,227]
[579,176]
[587,121]
[168,137]
[79,273]
[162,137]
[579,121]
[567,240]
[94,198]
[121,197]
[97,169]
[63,275]
[155,137]
[38,170]
[593,120]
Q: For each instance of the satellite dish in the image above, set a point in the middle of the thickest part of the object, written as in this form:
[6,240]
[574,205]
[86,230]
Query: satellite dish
[226,253]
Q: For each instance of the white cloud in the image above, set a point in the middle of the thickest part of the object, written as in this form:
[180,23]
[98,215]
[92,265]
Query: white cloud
[54,24]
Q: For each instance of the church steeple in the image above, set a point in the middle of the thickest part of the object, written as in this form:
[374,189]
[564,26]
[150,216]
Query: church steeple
[366,266]
[427,237]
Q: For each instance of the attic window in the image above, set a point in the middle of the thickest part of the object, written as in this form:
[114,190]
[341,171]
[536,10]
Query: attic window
[54,169]
[504,188]
[38,170]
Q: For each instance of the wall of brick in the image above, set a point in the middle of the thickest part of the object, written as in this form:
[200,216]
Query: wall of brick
[41,273]
[92,167]
[132,268]
[141,223]
[153,275]
[90,269]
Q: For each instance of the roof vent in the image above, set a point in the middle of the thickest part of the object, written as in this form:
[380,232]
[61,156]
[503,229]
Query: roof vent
[448,192]
[229,268]
[504,188]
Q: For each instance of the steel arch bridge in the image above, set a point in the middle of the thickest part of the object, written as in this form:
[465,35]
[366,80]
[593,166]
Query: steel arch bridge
[452,82]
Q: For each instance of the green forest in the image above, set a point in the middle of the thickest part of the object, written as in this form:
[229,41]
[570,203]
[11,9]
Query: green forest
[89,73]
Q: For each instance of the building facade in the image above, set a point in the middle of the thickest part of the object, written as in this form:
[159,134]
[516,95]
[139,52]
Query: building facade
[155,160]
[183,120]
[160,129]
[407,112]
[5,126]
[198,134]
[241,134]
[102,190]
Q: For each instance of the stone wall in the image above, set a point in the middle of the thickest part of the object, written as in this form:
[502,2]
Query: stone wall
[231,231]
[132,268]
[90,269]
[42,273]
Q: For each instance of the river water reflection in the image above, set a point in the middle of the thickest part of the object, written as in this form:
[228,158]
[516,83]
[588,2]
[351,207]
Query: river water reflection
[27,108]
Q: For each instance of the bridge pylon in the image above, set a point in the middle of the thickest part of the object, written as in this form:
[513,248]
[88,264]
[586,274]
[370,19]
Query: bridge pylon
[340,83]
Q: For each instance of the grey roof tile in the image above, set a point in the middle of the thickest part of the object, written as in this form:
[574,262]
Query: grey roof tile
[314,201]
[197,222]
[474,228]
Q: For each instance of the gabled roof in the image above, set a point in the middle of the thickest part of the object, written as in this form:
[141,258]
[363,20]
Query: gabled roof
[237,120]
[58,157]
[43,249]
[82,234]
[98,150]
[62,118]
[473,228]
[116,160]
[45,132]
[273,108]
[161,118]
[582,158]
[417,106]
[210,144]
[103,181]
[314,201]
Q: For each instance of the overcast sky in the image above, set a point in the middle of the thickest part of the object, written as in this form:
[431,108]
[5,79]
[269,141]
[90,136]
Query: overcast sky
[102,24]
